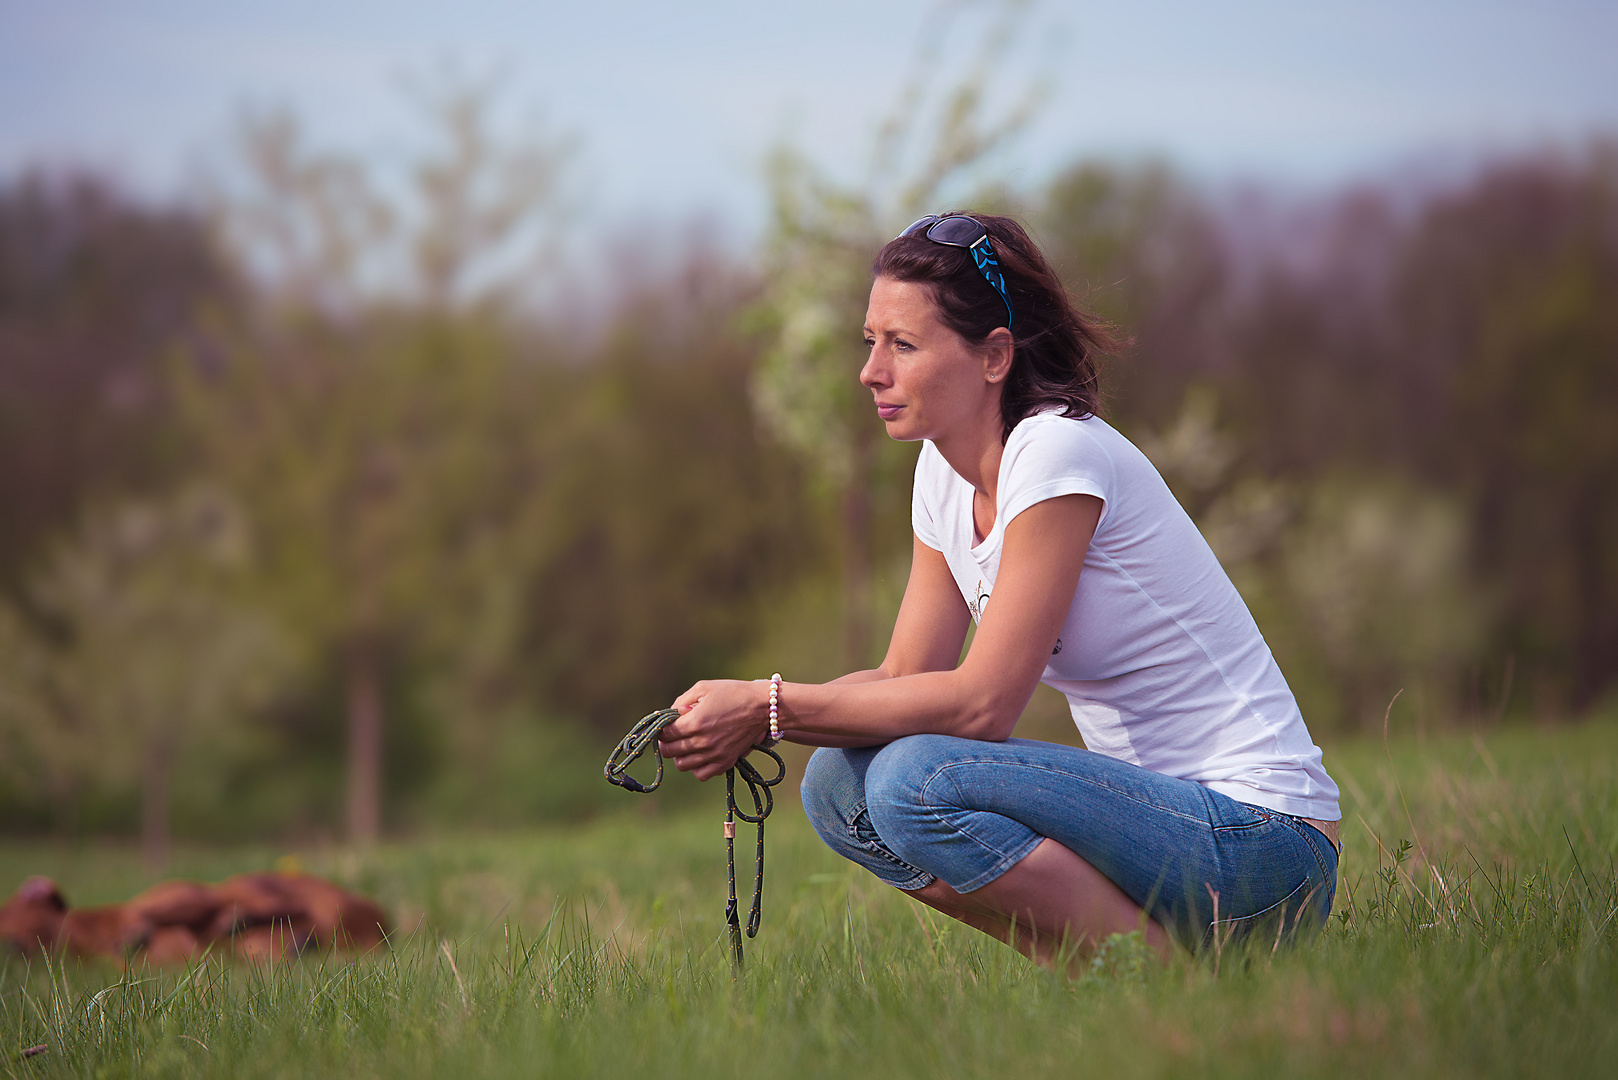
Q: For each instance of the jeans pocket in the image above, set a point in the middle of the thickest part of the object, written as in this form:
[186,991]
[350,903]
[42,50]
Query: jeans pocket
[1281,918]
[1230,816]
[1273,879]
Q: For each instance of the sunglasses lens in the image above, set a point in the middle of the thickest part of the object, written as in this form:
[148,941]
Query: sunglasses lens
[959,231]
[919,224]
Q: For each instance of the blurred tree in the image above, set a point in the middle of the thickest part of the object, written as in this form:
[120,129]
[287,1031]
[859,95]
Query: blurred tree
[806,389]
[152,662]
[1508,299]
[362,430]
[674,511]
[94,292]
[821,240]
[1311,368]
[472,222]
[380,466]
[1357,580]
[1141,250]
[1368,589]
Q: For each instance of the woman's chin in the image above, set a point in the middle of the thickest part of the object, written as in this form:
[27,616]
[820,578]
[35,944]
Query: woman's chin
[899,431]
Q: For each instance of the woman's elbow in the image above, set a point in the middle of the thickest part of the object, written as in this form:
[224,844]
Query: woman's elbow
[989,721]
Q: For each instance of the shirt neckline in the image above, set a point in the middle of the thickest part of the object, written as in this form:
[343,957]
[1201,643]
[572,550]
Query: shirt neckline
[991,542]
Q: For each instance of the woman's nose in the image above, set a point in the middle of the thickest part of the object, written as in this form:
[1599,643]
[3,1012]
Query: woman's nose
[874,373]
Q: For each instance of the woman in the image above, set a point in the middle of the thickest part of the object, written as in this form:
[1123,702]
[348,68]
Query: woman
[1200,807]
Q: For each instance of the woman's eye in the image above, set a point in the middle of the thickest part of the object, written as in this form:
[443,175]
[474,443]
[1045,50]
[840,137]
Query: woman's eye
[870,343]
[901,343]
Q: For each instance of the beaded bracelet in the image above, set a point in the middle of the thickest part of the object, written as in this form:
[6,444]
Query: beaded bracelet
[775,702]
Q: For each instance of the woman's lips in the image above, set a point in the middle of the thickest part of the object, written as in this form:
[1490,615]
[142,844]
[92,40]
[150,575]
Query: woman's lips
[888,412]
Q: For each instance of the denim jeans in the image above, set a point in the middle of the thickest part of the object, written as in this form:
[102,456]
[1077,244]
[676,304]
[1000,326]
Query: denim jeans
[967,811]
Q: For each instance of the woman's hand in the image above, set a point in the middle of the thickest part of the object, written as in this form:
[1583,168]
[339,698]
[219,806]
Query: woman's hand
[720,721]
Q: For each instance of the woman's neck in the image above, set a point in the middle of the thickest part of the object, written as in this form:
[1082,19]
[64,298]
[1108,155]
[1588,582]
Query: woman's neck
[974,452]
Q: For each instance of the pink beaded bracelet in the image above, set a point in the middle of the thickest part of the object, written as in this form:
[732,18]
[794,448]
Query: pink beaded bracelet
[775,703]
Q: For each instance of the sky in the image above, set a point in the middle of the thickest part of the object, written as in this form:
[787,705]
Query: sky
[676,104]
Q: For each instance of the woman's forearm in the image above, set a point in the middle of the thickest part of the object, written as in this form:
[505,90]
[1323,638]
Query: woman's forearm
[869,675]
[803,736]
[880,709]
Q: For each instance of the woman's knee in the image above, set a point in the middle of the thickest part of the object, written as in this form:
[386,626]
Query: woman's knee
[834,800]
[898,778]
[833,789]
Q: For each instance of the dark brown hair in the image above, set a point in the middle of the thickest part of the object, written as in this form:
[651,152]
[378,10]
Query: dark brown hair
[1054,362]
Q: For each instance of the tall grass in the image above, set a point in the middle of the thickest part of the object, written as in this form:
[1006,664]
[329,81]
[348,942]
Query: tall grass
[1474,935]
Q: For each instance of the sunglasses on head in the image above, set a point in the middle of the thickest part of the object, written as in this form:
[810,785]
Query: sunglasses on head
[958,230]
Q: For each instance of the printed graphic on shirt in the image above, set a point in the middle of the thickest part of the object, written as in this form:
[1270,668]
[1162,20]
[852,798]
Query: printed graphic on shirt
[976,606]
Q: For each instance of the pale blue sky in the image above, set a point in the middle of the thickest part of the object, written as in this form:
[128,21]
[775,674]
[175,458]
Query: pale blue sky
[677,102]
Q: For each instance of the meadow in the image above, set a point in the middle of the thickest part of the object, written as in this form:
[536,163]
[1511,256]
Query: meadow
[1473,935]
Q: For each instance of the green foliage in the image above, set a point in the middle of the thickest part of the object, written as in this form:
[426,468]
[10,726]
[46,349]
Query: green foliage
[807,392]
[1370,575]
[1473,936]
[672,514]
[1506,301]
[155,665]
[95,289]
[1357,580]
[1139,248]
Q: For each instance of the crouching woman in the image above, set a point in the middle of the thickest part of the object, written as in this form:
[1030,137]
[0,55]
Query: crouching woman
[1200,806]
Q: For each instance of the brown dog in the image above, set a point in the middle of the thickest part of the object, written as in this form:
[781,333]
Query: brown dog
[268,916]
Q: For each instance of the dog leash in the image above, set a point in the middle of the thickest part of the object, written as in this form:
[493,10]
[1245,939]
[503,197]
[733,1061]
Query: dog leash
[644,734]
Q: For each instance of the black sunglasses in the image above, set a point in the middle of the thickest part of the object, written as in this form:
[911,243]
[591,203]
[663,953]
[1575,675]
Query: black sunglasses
[958,230]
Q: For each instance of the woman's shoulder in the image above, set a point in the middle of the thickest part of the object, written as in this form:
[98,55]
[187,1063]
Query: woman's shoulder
[1049,440]
[1087,439]
[1052,424]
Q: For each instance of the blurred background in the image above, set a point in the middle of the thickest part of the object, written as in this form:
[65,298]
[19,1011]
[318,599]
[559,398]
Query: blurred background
[398,400]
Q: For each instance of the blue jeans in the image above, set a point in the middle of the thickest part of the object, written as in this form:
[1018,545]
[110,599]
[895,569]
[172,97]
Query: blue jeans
[967,811]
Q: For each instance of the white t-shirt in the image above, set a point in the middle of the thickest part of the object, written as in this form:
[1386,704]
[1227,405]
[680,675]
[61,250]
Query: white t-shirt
[1160,659]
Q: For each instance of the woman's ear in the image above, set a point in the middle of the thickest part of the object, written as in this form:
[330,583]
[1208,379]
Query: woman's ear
[998,348]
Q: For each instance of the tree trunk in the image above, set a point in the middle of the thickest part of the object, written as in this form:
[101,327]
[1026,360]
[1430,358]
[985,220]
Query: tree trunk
[856,554]
[1593,643]
[364,741]
[156,768]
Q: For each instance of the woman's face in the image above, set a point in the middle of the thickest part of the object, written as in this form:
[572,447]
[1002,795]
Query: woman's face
[927,381]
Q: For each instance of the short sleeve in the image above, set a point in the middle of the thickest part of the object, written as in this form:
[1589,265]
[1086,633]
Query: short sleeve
[923,518]
[1052,456]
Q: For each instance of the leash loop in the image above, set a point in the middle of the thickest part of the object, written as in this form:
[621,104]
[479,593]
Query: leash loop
[643,736]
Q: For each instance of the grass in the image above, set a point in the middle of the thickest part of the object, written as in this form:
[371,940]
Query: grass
[1475,934]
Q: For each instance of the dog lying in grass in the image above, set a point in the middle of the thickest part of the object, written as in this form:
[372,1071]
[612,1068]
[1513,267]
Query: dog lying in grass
[257,917]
